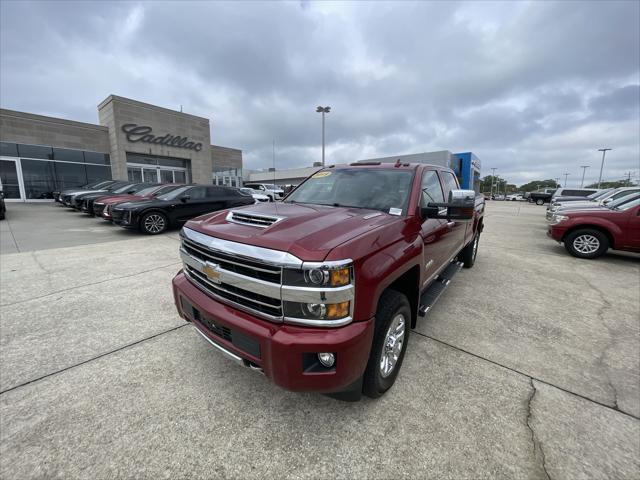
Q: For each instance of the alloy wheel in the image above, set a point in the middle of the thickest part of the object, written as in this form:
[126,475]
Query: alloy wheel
[392,345]
[154,223]
[586,244]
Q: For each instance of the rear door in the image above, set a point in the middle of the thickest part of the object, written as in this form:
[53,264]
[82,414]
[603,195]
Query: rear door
[433,230]
[191,207]
[456,229]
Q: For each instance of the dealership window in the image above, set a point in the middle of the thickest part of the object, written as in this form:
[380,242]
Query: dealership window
[39,179]
[98,172]
[70,175]
[96,157]
[231,177]
[35,151]
[68,155]
[8,149]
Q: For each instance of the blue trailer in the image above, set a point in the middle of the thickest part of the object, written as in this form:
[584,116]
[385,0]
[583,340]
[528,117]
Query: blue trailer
[467,168]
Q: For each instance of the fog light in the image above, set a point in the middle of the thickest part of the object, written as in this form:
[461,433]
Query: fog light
[327,359]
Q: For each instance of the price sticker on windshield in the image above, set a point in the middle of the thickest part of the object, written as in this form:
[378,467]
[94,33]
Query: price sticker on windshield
[321,175]
[395,211]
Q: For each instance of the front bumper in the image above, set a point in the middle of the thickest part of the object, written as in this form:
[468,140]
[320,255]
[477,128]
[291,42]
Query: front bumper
[279,350]
[556,232]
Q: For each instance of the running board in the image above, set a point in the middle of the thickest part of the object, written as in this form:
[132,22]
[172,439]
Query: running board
[431,295]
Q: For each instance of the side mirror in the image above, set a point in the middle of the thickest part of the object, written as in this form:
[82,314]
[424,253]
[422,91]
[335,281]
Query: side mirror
[130,192]
[185,198]
[606,201]
[461,206]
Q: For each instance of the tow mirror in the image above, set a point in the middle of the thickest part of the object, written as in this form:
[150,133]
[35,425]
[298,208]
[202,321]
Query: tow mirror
[185,198]
[461,206]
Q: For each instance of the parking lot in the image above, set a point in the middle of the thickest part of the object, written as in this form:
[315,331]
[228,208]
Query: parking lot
[527,367]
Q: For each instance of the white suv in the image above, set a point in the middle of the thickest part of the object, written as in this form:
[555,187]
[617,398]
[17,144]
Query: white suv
[272,191]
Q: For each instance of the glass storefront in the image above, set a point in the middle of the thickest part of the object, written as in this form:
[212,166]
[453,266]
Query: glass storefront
[230,177]
[156,169]
[34,172]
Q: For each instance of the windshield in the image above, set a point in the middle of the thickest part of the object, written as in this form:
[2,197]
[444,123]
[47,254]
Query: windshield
[377,189]
[173,194]
[125,188]
[598,195]
[625,203]
[272,187]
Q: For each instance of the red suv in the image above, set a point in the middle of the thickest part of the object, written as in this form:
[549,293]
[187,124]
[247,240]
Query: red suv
[590,232]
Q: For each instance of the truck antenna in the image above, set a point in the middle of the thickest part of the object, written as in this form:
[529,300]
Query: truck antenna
[275,203]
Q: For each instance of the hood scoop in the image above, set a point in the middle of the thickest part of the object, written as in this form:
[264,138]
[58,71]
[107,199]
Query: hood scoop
[245,217]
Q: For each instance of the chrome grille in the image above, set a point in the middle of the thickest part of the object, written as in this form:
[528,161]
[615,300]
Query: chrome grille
[249,300]
[250,218]
[249,268]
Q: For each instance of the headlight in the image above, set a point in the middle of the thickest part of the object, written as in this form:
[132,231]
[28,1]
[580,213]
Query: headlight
[321,276]
[558,218]
[317,311]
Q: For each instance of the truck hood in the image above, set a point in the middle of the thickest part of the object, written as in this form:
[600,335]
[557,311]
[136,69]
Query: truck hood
[309,232]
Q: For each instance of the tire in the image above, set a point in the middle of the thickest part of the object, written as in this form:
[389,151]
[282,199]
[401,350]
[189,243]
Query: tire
[393,310]
[154,223]
[470,252]
[586,243]
[539,202]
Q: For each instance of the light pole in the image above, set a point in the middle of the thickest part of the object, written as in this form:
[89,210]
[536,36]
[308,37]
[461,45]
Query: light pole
[584,169]
[323,110]
[493,179]
[604,151]
[565,179]
[557,182]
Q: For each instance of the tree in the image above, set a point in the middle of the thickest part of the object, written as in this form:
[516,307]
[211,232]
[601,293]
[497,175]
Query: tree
[615,184]
[536,184]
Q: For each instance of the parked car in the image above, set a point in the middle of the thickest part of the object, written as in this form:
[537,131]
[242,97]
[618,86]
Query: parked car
[514,197]
[540,197]
[88,186]
[574,192]
[155,215]
[3,207]
[85,201]
[258,197]
[572,198]
[590,232]
[68,198]
[600,198]
[103,205]
[320,292]
[272,191]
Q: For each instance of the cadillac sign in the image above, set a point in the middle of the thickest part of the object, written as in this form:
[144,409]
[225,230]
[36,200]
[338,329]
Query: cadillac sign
[141,133]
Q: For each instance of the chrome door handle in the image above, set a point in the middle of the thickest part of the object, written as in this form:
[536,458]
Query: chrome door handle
[451,224]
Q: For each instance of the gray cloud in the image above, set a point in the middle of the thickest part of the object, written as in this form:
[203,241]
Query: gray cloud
[532,88]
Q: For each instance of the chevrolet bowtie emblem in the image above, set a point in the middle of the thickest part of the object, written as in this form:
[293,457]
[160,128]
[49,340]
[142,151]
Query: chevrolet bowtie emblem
[211,271]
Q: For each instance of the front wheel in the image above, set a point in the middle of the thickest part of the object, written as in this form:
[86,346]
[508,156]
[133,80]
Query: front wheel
[539,202]
[469,253]
[392,327]
[586,243]
[153,223]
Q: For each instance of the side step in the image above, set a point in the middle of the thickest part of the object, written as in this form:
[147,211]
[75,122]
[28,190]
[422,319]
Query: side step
[439,285]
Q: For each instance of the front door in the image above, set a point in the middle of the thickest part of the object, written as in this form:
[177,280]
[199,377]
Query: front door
[10,182]
[456,229]
[433,230]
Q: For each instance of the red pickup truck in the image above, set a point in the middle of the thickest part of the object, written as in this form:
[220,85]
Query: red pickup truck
[320,291]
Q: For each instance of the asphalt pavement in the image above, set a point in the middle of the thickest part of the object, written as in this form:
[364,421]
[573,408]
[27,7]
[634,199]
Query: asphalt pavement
[528,367]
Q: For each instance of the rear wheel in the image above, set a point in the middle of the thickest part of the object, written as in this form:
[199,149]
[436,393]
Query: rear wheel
[586,243]
[392,327]
[539,202]
[153,223]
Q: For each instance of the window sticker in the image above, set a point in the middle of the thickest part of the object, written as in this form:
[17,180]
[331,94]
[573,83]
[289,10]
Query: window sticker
[395,211]
[321,175]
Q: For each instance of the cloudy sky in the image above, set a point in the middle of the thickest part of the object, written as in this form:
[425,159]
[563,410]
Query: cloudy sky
[533,88]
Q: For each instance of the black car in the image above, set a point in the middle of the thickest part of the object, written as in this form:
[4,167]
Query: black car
[86,201]
[3,207]
[69,200]
[57,196]
[155,215]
